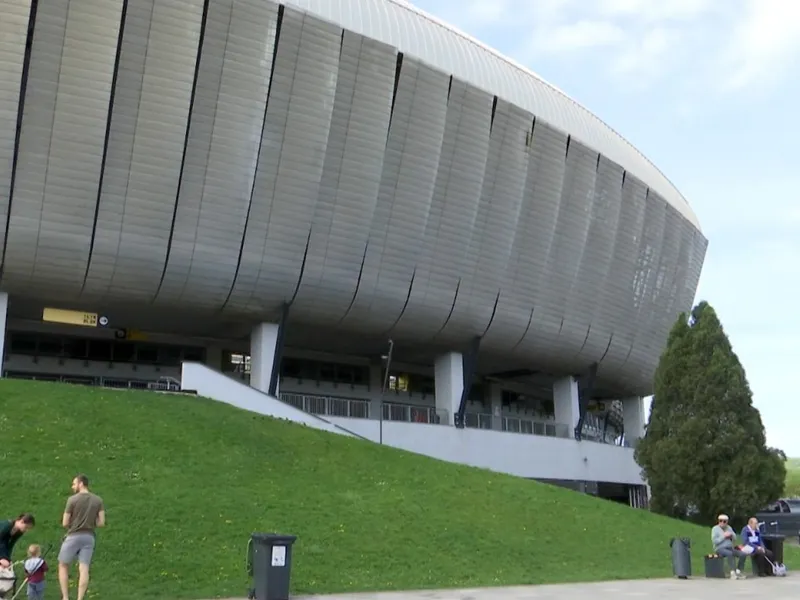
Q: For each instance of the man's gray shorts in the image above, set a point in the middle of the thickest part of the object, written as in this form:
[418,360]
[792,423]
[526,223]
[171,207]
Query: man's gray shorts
[77,545]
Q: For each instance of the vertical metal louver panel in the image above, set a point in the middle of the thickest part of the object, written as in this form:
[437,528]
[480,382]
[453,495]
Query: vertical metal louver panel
[14,17]
[289,172]
[222,152]
[152,104]
[351,178]
[492,235]
[571,233]
[454,208]
[585,302]
[61,145]
[410,165]
[549,148]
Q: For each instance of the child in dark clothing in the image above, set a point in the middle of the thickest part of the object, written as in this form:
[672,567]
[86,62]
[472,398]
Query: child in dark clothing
[35,568]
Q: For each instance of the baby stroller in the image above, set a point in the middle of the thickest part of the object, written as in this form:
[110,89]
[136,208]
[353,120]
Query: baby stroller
[8,583]
[8,579]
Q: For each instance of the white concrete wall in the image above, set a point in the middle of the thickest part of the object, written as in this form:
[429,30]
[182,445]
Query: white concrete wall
[213,384]
[516,454]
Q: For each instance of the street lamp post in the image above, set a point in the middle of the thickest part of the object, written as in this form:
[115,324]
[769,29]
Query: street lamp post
[384,385]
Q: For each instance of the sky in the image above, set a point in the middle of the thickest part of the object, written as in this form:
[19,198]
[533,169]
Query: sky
[707,89]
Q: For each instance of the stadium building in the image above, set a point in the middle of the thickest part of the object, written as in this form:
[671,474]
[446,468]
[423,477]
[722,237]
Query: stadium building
[348,205]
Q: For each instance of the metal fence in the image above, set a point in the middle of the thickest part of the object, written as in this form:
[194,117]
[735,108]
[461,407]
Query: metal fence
[531,427]
[478,420]
[329,405]
[354,408]
[166,384]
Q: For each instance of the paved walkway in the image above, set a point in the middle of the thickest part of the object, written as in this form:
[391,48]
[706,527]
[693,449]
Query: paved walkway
[774,588]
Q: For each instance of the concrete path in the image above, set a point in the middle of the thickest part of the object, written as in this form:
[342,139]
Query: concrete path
[774,588]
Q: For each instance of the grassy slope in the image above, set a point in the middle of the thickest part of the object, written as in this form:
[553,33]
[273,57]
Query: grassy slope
[792,478]
[186,480]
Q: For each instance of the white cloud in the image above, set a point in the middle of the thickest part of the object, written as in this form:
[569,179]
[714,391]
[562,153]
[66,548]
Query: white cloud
[647,56]
[764,44]
[487,12]
[719,46]
[581,35]
[656,11]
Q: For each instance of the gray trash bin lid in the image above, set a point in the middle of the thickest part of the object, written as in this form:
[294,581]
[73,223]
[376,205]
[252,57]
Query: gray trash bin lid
[274,538]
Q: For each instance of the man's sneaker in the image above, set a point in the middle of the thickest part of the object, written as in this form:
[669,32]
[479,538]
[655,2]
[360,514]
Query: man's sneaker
[740,575]
[733,575]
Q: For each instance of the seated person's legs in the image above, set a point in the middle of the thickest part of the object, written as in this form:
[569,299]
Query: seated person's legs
[727,554]
[766,568]
[742,558]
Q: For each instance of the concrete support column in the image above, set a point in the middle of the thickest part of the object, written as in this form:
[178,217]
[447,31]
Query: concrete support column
[633,418]
[263,343]
[449,383]
[496,405]
[3,322]
[566,403]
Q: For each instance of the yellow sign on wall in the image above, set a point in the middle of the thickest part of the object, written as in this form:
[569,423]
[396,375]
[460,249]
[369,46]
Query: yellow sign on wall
[69,317]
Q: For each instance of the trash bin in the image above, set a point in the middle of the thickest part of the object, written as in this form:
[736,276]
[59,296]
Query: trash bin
[681,557]
[271,565]
[774,542]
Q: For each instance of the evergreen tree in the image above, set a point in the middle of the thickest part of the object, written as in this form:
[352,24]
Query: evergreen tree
[705,448]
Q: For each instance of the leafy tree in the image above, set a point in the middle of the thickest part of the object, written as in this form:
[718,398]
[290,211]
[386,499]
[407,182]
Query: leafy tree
[705,449]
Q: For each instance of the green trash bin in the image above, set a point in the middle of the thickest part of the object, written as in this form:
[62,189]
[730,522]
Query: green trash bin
[271,565]
[681,557]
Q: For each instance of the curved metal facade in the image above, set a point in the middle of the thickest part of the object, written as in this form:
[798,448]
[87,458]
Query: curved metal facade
[234,155]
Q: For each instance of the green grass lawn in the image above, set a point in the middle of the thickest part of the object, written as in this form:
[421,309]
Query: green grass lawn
[792,477]
[185,481]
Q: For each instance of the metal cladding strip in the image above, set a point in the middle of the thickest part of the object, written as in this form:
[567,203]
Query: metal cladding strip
[550,151]
[409,174]
[617,295]
[454,208]
[585,300]
[492,237]
[222,152]
[678,291]
[570,237]
[289,171]
[61,145]
[14,33]
[639,364]
[665,298]
[422,36]
[415,144]
[351,178]
[698,256]
[145,148]
[515,302]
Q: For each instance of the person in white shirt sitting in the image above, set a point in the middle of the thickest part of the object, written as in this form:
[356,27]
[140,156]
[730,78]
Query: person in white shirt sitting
[751,536]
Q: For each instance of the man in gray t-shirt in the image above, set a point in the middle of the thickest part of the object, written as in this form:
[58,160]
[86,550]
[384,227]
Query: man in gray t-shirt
[83,514]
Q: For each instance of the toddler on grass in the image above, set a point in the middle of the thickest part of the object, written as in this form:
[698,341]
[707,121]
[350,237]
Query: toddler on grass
[35,568]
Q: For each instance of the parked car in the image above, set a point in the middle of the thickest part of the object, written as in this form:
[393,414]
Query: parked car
[783,505]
